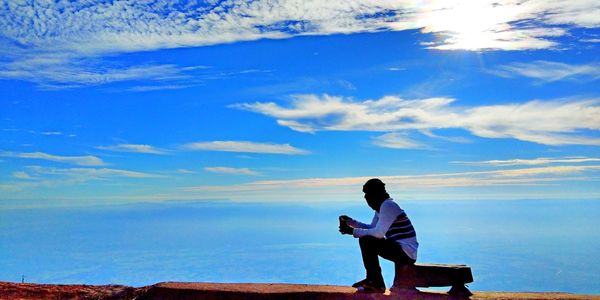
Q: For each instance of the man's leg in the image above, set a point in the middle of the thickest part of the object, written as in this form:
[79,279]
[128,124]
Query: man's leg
[370,247]
[405,271]
[405,276]
[392,251]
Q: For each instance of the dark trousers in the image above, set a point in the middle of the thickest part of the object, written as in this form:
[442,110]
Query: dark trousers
[371,248]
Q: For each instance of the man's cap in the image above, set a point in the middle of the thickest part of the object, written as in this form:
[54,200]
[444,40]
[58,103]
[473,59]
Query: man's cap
[374,185]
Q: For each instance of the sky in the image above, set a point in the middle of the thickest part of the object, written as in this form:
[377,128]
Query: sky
[301,101]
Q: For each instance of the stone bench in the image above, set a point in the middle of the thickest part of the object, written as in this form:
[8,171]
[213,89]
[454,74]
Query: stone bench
[434,275]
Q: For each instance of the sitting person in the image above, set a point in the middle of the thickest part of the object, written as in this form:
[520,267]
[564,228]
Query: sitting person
[390,235]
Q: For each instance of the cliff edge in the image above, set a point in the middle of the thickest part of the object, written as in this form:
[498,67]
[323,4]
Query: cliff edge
[208,291]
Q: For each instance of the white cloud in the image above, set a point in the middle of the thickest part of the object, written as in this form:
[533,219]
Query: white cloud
[52,42]
[549,71]
[593,40]
[22,175]
[136,148]
[582,13]
[149,88]
[437,181]
[555,170]
[550,122]
[38,176]
[86,160]
[297,126]
[69,72]
[396,141]
[231,171]
[454,139]
[245,147]
[480,25]
[556,122]
[85,174]
[51,133]
[535,161]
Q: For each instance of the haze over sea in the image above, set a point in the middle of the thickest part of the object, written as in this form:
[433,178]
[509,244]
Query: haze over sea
[529,245]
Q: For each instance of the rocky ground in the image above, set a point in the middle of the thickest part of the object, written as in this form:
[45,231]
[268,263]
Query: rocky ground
[9,290]
[180,290]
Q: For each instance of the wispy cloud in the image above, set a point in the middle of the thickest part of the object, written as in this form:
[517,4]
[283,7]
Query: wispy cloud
[483,25]
[535,161]
[232,171]
[135,148]
[37,176]
[89,173]
[593,40]
[44,133]
[245,147]
[149,88]
[395,69]
[55,43]
[549,71]
[553,170]
[65,72]
[324,186]
[51,133]
[550,122]
[454,139]
[22,175]
[397,141]
[86,160]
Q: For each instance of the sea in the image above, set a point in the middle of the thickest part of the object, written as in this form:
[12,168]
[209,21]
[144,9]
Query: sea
[516,245]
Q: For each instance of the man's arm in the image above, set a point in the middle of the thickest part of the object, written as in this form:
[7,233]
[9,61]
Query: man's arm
[357,224]
[387,214]
[348,224]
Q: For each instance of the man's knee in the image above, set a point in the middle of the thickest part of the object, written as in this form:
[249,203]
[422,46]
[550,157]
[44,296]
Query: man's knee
[403,260]
[368,240]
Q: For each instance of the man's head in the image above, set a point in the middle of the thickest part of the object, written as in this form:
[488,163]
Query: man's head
[375,193]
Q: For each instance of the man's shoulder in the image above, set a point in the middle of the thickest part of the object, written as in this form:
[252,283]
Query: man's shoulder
[390,204]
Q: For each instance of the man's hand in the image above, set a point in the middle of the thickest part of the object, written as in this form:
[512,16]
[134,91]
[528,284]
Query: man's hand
[346,229]
[344,218]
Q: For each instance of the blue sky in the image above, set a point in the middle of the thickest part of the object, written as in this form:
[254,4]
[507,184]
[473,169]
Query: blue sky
[274,101]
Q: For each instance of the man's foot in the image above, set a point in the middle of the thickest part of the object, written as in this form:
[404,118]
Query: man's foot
[369,286]
[359,283]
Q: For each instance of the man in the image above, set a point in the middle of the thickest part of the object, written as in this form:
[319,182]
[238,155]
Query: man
[390,235]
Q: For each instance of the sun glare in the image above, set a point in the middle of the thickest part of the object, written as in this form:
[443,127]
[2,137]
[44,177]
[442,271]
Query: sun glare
[469,25]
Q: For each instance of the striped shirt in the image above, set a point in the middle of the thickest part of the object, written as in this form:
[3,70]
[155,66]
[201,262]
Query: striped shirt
[391,223]
[401,228]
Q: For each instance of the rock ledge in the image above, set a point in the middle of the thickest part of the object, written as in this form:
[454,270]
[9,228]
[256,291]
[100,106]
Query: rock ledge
[250,291]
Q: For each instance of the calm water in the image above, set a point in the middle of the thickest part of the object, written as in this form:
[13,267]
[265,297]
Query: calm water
[510,245]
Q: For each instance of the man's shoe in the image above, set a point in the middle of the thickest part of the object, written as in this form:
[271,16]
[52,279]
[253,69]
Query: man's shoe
[359,283]
[370,286]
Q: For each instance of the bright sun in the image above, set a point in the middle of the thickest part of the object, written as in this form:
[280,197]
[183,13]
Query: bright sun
[470,25]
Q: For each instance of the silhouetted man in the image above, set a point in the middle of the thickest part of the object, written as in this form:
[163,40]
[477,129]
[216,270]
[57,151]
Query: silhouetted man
[390,235]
